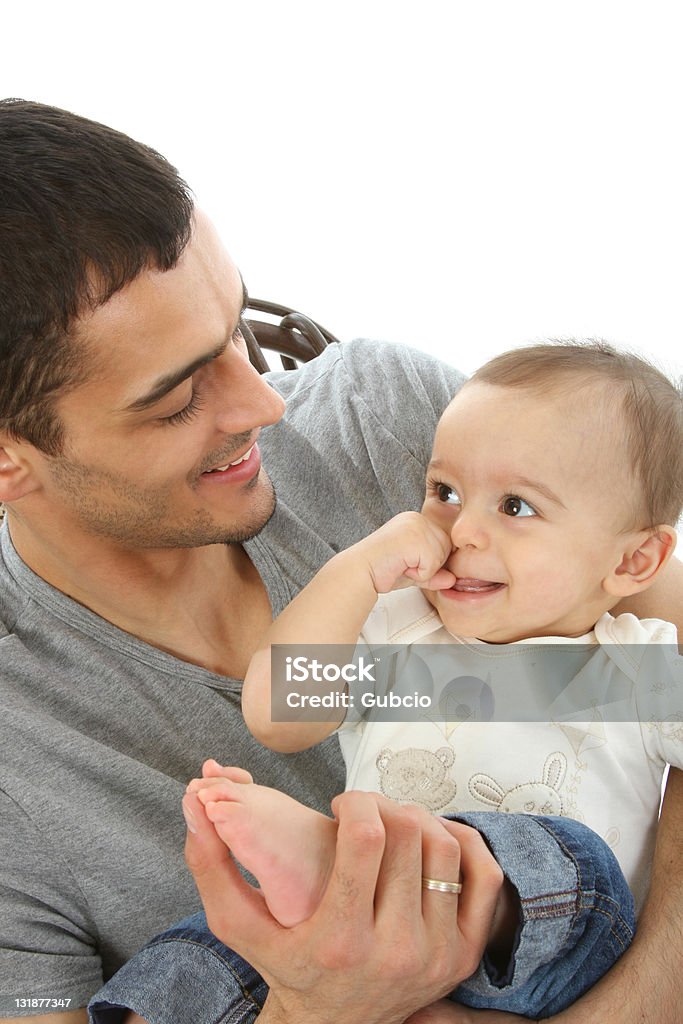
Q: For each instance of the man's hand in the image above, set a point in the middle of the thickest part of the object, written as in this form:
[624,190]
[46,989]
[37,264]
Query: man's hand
[379,946]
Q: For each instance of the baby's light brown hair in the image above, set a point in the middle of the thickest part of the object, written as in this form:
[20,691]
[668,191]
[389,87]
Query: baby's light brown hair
[650,409]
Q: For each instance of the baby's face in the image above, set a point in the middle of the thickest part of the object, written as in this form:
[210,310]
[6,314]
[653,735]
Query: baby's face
[536,493]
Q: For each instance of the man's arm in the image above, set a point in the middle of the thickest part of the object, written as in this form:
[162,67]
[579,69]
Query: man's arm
[41,910]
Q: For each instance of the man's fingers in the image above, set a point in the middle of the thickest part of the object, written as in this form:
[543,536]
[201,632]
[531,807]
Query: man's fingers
[441,862]
[204,851]
[398,887]
[235,911]
[358,860]
[482,882]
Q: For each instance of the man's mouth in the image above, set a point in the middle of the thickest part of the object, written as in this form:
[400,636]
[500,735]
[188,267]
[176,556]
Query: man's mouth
[229,465]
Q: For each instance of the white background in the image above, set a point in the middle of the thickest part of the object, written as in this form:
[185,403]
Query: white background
[460,176]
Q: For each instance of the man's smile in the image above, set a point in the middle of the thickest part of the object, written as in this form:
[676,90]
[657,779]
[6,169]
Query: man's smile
[242,469]
[237,462]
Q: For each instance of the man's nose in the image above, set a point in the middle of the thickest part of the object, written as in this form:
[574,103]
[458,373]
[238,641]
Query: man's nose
[246,400]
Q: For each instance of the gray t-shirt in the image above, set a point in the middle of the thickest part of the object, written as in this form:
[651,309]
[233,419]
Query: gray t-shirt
[100,732]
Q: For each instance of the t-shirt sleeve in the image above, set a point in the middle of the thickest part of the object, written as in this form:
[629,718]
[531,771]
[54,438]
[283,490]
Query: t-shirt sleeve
[661,703]
[392,390]
[47,947]
[651,645]
[407,389]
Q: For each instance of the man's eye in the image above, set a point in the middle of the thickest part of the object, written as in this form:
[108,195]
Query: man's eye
[513,505]
[447,495]
[187,413]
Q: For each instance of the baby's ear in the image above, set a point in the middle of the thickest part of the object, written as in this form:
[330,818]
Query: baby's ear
[644,558]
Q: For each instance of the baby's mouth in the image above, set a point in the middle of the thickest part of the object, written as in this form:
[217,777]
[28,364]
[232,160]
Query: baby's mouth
[468,585]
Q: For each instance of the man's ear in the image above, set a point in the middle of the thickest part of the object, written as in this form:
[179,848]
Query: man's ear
[644,558]
[16,472]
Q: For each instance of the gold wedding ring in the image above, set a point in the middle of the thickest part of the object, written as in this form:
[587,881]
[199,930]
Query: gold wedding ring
[438,886]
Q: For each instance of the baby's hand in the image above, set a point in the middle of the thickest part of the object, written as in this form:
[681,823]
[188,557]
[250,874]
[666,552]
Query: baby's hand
[408,549]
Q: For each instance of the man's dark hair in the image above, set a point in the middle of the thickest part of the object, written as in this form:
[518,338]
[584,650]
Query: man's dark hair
[83,211]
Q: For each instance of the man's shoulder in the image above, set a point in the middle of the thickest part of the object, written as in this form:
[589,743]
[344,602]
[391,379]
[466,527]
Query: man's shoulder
[11,597]
[376,368]
[377,390]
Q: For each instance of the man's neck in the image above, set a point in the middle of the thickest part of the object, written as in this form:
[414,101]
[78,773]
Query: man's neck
[206,605]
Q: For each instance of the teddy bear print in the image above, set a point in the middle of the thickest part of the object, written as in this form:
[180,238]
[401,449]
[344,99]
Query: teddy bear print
[417,776]
[529,797]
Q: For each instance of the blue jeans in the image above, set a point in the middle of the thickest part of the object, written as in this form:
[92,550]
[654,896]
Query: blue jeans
[576,918]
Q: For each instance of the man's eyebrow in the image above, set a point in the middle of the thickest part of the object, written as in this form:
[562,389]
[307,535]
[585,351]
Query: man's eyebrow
[169,381]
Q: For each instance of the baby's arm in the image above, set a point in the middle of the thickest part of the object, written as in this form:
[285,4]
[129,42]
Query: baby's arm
[332,610]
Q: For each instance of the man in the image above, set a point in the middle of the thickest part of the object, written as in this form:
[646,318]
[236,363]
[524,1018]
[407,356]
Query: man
[142,559]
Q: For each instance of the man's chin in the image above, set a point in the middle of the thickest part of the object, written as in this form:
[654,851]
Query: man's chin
[254,528]
[204,529]
[260,516]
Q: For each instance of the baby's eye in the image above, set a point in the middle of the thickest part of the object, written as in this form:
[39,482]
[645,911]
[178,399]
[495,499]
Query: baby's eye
[447,495]
[513,505]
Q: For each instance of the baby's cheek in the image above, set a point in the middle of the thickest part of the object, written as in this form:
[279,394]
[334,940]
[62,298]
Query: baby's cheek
[549,591]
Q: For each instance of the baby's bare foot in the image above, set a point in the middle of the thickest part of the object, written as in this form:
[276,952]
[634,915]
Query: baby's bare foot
[288,847]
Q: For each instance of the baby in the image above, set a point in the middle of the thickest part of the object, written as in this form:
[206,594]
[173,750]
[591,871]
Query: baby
[552,494]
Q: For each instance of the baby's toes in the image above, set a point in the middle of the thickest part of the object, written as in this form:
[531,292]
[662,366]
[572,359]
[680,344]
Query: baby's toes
[221,789]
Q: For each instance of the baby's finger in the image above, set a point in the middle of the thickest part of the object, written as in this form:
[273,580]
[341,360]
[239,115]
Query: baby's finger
[423,568]
[443,579]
